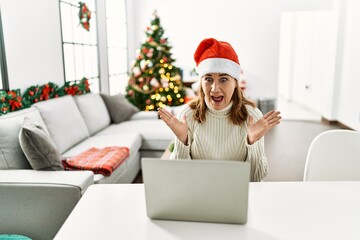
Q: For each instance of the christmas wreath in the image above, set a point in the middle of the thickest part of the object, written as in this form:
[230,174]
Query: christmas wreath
[84,16]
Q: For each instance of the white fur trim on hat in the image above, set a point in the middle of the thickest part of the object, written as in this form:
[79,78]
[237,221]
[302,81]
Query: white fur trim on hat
[219,65]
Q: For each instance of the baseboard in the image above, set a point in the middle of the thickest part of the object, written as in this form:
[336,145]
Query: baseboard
[335,123]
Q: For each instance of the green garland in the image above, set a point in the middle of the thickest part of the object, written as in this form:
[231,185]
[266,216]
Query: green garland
[13,100]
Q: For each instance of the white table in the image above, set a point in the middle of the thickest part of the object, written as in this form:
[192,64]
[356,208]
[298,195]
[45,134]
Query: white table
[277,210]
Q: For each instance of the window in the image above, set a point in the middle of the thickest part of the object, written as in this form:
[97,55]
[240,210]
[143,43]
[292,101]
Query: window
[116,26]
[4,85]
[80,47]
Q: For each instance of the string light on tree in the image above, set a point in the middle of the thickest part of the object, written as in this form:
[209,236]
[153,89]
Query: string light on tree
[154,81]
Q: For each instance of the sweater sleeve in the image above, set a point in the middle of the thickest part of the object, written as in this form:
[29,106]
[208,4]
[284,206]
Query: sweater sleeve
[258,160]
[182,151]
[256,153]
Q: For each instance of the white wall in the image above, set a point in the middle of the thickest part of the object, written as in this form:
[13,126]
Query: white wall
[286,55]
[307,59]
[349,89]
[324,54]
[251,26]
[32,38]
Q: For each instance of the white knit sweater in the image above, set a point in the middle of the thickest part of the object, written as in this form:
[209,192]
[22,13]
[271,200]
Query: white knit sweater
[218,138]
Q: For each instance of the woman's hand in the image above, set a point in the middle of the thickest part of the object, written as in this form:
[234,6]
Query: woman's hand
[180,128]
[258,129]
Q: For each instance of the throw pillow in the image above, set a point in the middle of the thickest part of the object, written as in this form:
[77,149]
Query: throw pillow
[13,237]
[119,107]
[38,147]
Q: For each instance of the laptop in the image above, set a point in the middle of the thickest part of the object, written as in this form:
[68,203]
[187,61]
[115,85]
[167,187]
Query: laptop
[196,190]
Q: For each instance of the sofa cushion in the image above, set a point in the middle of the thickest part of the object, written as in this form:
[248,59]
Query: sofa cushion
[64,121]
[94,111]
[119,107]
[130,140]
[145,115]
[155,134]
[11,155]
[38,147]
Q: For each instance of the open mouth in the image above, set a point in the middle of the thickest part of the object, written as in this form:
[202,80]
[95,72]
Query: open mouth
[217,99]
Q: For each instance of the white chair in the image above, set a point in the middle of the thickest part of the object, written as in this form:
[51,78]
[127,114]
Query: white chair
[334,155]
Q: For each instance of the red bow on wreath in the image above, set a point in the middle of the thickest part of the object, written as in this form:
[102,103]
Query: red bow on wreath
[15,101]
[84,16]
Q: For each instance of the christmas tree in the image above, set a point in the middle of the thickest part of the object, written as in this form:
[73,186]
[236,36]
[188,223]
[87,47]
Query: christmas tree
[154,82]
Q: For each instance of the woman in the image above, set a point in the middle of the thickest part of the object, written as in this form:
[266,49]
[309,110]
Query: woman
[221,123]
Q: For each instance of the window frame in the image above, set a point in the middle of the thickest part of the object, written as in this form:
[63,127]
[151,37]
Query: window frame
[3,65]
[119,75]
[83,44]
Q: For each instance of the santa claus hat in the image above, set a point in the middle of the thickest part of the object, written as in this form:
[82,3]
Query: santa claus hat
[213,56]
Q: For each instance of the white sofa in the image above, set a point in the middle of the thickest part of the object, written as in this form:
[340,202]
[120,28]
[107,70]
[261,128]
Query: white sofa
[36,203]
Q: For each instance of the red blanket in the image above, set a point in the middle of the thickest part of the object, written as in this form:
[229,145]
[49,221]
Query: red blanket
[99,160]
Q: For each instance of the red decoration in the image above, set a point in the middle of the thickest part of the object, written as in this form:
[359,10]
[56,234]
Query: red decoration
[242,84]
[46,92]
[87,85]
[187,99]
[14,101]
[72,90]
[84,16]
[145,50]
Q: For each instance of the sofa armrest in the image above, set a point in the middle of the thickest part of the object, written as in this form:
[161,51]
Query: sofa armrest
[37,203]
[79,179]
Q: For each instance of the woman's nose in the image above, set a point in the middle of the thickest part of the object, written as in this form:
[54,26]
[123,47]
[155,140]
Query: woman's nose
[214,87]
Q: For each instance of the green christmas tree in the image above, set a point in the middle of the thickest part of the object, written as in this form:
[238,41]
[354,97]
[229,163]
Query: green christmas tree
[154,82]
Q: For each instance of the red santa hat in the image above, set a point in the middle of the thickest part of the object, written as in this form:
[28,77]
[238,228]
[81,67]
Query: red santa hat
[213,56]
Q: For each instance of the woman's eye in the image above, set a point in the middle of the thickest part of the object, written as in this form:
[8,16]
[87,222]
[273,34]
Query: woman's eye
[208,79]
[223,79]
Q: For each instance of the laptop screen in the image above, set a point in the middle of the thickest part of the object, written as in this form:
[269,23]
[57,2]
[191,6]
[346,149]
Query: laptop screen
[196,190]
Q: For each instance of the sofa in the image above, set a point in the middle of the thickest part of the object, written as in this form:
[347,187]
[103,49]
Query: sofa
[36,203]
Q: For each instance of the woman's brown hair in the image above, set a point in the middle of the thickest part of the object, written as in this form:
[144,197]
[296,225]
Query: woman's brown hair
[238,113]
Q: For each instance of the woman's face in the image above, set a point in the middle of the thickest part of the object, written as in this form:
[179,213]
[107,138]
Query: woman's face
[218,89]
